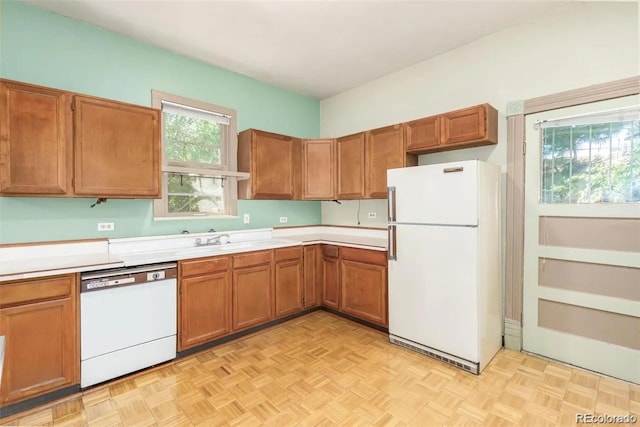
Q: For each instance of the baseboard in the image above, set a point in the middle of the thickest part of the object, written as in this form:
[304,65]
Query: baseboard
[14,408]
[512,334]
[355,319]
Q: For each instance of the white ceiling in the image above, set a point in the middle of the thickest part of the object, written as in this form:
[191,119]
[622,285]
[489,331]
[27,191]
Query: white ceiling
[318,48]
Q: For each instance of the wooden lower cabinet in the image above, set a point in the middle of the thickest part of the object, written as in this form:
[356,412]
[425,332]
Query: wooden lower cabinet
[312,275]
[330,277]
[364,285]
[205,308]
[252,289]
[288,281]
[39,319]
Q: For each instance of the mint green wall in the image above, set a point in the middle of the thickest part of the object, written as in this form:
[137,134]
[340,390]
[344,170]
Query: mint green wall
[40,47]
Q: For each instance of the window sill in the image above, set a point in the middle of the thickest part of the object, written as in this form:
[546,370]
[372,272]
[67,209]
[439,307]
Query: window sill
[181,218]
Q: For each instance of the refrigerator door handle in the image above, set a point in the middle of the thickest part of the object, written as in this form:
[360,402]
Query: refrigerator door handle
[453,170]
[393,256]
[391,200]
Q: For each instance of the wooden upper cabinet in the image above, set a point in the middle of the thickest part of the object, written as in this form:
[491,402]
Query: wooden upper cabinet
[117,149]
[470,125]
[350,158]
[318,169]
[35,140]
[384,150]
[39,319]
[271,161]
[422,134]
[464,128]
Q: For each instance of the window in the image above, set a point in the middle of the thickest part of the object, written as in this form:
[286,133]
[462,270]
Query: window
[592,159]
[199,158]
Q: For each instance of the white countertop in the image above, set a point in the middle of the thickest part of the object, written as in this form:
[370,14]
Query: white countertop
[29,261]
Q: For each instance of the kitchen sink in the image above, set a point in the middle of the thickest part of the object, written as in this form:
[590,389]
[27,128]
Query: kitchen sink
[232,247]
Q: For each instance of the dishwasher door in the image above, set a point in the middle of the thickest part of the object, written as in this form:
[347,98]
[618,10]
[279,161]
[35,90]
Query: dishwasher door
[114,319]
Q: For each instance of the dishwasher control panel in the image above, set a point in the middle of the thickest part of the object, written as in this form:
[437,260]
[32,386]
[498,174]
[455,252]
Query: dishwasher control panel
[98,280]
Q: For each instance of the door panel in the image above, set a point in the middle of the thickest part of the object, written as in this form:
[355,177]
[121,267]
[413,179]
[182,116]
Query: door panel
[350,156]
[35,140]
[272,166]
[565,318]
[288,287]
[423,283]
[252,296]
[436,194]
[318,169]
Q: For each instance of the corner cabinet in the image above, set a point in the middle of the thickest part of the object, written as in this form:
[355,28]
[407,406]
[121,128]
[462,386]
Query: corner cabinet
[39,319]
[318,169]
[204,300]
[35,140]
[465,128]
[363,278]
[116,149]
[331,277]
[312,275]
[272,162]
[384,150]
[350,164]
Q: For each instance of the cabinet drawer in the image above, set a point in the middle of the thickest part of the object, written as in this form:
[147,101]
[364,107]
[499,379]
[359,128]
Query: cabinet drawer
[365,255]
[288,253]
[204,266]
[253,258]
[47,288]
[330,251]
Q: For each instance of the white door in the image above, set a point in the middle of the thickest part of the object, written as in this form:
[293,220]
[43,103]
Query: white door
[435,194]
[433,294]
[581,297]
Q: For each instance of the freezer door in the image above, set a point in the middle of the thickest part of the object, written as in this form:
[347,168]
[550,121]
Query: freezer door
[433,297]
[436,194]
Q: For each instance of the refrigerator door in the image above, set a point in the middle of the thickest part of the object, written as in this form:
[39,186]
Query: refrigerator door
[433,297]
[434,194]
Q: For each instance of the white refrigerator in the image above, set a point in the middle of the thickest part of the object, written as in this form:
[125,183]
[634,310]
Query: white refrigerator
[445,298]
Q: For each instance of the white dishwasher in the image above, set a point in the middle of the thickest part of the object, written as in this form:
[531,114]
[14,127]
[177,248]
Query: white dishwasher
[128,320]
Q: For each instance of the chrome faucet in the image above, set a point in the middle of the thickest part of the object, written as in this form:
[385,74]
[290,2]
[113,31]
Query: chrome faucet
[214,240]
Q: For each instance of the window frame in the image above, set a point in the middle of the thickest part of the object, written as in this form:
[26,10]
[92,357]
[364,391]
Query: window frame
[226,171]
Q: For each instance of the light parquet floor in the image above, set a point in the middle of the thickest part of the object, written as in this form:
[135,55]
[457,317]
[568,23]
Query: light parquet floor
[323,370]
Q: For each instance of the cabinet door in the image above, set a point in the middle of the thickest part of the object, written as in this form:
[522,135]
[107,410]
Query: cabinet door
[312,275]
[330,280]
[350,157]
[364,291]
[288,287]
[271,166]
[422,134]
[318,169]
[35,140]
[252,296]
[385,150]
[464,125]
[41,337]
[117,149]
[205,308]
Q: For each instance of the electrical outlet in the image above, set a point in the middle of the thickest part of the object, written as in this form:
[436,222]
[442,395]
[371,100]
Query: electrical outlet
[106,226]
[283,219]
[247,219]
[372,215]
